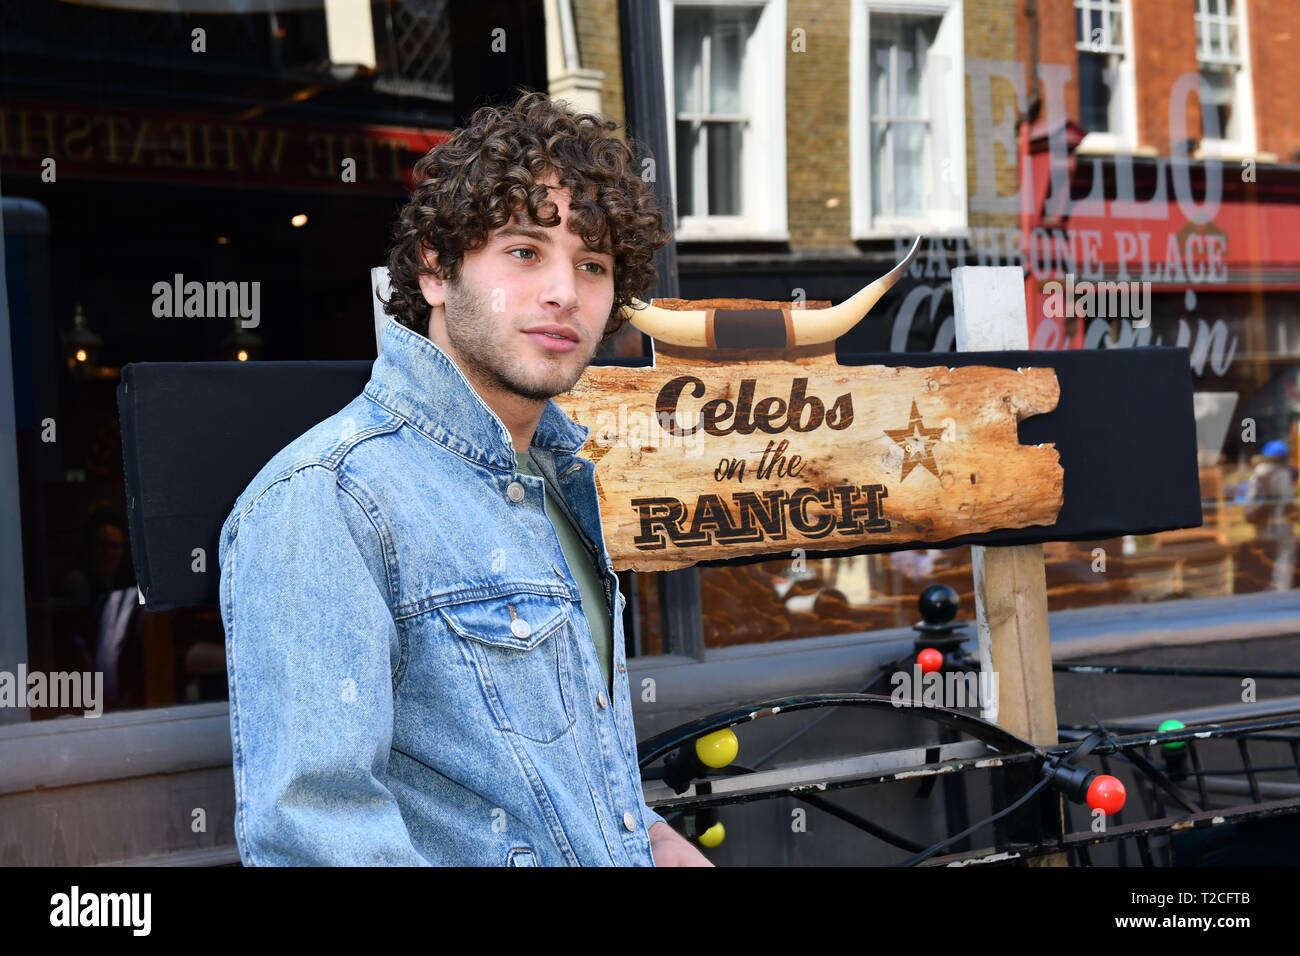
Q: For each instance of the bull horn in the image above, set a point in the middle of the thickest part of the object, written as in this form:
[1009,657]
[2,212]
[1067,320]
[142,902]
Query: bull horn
[814,326]
[694,328]
[685,327]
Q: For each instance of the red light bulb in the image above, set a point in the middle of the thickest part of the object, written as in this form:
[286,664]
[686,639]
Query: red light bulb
[929,660]
[1106,793]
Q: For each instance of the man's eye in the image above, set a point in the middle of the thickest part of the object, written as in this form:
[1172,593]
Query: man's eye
[598,268]
[528,251]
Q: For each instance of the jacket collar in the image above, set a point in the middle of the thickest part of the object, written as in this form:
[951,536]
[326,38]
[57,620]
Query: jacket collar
[415,379]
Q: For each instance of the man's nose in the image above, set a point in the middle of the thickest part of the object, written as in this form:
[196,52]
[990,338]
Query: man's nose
[560,289]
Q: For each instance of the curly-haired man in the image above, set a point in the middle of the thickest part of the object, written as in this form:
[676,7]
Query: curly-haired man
[423,626]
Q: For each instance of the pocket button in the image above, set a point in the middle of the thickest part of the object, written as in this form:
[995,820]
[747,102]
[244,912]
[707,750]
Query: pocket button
[629,821]
[520,628]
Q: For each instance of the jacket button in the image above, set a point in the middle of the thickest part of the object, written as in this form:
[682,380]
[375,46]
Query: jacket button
[629,820]
[602,700]
[515,492]
[622,669]
[520,628]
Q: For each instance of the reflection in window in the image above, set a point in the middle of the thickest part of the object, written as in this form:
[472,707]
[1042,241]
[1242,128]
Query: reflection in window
[1099,40]
[1218,53]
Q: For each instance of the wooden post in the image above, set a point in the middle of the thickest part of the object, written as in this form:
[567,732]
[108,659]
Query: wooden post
[1010,582]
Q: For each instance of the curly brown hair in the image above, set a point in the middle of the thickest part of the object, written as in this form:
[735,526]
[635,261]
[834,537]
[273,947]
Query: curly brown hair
[489,169]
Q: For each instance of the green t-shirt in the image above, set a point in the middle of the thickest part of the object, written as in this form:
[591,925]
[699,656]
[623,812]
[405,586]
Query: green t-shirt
[583,571]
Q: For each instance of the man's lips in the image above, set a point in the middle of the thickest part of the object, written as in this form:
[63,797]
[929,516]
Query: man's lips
[553,338]
[554,329]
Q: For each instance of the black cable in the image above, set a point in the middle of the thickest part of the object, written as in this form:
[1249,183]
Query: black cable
[882,671]
[930,851]
[848,816]
[1153,773]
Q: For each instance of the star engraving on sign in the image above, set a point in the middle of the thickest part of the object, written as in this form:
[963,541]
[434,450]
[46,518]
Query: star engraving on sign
[598,446]
[915,440]
[594,450]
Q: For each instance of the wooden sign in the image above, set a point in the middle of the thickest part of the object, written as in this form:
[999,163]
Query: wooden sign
[697,462]
[719,452]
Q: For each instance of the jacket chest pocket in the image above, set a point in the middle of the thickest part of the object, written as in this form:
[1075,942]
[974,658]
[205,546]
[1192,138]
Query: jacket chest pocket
[518,645]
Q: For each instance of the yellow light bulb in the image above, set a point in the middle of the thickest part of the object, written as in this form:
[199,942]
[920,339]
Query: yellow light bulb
[712,836]
[718,748]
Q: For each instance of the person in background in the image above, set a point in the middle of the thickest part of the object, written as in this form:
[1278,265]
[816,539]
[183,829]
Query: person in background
[1270,507]
[98,612]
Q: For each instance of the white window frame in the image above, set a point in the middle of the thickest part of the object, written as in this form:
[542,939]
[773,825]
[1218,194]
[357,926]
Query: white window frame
[1123,89]
[763,166]
[1243,92]
[950,87]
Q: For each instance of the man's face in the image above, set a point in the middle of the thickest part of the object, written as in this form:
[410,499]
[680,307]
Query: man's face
[527,313]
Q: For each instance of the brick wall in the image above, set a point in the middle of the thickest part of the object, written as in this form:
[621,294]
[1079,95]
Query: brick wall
[990,34]
[817,125]
[1056,45]
[817,113]
[819,200]
[1164,37]
[1274,28]
[1164,34]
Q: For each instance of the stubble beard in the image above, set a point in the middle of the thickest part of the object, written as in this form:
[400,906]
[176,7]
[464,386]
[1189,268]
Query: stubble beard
[484,349]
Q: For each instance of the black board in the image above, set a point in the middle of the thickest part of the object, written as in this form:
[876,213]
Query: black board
[195,433]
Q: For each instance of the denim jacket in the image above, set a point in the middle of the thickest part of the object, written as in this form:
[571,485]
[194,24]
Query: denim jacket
[412,678]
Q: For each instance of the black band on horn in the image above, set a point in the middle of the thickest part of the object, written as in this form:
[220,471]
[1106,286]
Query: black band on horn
[749,329]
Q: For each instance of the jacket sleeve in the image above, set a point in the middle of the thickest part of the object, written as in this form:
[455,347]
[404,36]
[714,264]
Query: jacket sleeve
[651,817]
[310,642]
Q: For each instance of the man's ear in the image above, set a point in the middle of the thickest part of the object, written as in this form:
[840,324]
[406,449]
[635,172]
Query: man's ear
[431,287]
